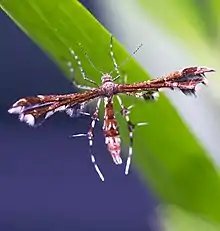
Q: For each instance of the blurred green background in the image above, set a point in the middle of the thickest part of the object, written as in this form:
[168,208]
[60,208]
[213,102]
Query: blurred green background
[178,34]
[178,153]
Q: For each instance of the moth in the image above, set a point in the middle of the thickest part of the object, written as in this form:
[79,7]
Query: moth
[31,109]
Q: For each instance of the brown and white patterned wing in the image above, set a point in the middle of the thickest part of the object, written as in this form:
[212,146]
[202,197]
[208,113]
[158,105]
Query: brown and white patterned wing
[185,80]
[34,110]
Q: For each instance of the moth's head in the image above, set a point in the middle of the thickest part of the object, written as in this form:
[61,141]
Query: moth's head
[106,78]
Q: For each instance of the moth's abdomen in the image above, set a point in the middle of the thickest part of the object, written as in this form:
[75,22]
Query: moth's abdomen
[114,147]
[111,132]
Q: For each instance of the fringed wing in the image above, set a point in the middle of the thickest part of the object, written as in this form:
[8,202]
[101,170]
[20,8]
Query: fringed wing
[33,109]
[185,80]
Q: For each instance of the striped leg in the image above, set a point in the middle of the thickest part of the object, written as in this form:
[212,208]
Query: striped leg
[116,66]
[123,80]
[125,113]
[71,70]
[90,136]
[90,61]
[81,70]
[112,57]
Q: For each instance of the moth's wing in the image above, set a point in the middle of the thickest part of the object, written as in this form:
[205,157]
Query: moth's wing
[85,108]
[184,80]
[34,110]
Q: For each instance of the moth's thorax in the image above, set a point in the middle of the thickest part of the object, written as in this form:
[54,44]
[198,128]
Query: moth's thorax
[108,86]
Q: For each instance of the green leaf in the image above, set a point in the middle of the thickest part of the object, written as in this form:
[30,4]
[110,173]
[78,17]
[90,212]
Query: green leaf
[195,23]
[166,152]
[176,219]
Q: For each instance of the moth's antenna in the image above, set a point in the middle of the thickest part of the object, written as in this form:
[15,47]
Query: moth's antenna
[128,58]
[90,61]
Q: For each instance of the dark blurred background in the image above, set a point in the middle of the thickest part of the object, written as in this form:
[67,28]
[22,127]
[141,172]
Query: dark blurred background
[47,181]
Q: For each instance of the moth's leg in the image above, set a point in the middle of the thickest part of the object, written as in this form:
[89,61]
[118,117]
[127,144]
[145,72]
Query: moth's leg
[113,57]
[79,63]
[71,70]
[125,113]
[90,136]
